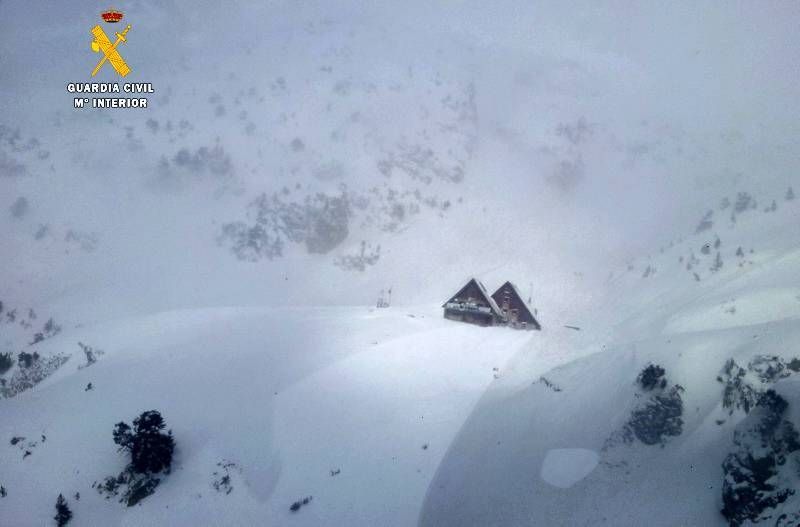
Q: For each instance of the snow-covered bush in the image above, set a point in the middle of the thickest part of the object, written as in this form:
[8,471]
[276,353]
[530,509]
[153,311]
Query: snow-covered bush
[250,243]
[299,503]
[659,418]
[223,482]
[50,329]
[757,475]
[32,369]
[90,353]
[321,222]
[656,419]
[651,377]
[744,202]
[743,387]
[134,487]
[26,360]
[328,223]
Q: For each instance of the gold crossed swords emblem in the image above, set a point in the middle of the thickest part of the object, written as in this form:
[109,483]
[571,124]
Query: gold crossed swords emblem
[110,53]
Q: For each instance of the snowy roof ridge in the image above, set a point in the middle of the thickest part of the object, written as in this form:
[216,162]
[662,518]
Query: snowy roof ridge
[492,304]
[489,298]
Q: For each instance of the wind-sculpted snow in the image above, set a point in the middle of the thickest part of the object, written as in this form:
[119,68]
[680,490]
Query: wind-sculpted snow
[267,406]
[686,430]
[564,467]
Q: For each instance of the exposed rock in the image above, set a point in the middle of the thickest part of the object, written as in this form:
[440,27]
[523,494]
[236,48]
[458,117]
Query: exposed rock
[757,475]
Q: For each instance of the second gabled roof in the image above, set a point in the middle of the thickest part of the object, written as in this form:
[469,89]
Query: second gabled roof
[519,303]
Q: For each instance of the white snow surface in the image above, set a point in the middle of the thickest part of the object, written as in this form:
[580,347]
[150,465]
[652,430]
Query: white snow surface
[288,395]
[522,131]
[513,462]
[564,467]
[400,417]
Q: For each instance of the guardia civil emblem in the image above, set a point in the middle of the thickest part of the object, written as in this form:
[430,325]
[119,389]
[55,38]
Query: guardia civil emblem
[102,44]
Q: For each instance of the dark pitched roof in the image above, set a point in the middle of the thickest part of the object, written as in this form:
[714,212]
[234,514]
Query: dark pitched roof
[519,303]
[484,292]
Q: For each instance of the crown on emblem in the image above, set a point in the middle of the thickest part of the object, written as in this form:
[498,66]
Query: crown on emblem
[112,16]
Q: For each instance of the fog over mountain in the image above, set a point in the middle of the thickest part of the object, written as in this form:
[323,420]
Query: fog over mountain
[575,136]
[308,155]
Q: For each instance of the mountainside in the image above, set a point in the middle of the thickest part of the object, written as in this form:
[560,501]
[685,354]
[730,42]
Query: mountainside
[372,412]
[350,149]
[222,258]
[589,442]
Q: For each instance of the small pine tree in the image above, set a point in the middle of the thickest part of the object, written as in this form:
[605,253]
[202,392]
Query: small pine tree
[790,194]
[63,514]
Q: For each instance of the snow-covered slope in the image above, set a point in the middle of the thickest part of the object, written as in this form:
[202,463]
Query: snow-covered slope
[562,447]
[214,257]
[288,396]
[383,416]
